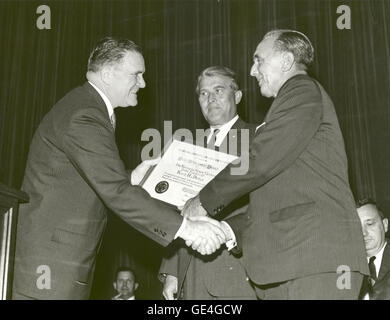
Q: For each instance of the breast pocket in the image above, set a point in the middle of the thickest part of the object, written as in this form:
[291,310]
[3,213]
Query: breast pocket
[293,226]
[292,212]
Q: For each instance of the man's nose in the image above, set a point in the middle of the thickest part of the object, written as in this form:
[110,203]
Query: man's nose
[212,97]
[365,233]
[141,82]
[254,71]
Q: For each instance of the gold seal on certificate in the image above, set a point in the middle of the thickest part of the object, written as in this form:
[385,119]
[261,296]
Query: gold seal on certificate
[183,171]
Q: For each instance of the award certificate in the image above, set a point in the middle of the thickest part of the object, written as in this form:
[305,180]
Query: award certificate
[183,171]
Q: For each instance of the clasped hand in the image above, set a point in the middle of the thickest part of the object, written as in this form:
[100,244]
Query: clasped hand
[202,233]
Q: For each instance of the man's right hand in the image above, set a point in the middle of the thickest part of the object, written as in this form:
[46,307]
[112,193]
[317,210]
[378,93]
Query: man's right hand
[170,287]
[205,235]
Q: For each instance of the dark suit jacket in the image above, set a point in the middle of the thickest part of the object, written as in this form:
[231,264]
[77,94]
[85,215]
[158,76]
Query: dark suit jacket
[381,289]
[301,218]
[221,273]
[73,173]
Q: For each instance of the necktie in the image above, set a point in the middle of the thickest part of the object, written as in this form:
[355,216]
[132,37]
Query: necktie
[213,139]
[369,281]
[371,267]
[113,120]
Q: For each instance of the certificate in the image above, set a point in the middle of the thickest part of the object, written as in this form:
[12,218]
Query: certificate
[183,171]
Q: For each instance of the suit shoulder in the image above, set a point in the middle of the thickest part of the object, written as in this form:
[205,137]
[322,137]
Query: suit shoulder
[302,84]
[77,96]
[75,105]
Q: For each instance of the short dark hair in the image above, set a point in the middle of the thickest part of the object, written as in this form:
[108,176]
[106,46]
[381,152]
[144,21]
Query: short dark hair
[124,269]
[295,42]
[220,71]
[110,50]
[365,201]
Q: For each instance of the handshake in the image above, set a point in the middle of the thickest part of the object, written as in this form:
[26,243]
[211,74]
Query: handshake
[200,232]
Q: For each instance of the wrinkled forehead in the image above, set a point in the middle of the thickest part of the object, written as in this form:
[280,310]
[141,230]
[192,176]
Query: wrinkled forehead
[210,82]
[264,48]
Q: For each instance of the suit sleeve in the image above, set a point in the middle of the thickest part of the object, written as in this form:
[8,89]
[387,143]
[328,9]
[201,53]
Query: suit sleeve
[90,146]
[292,124]
[169,265]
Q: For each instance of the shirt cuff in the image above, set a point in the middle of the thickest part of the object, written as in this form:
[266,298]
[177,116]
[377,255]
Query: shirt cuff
[232,242]
[180,231]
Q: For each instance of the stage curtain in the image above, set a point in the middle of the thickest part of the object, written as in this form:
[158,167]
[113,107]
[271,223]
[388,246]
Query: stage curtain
[179,39]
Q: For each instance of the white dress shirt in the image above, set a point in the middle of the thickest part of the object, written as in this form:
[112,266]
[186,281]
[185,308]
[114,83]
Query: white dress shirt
[107,102]
[223,131]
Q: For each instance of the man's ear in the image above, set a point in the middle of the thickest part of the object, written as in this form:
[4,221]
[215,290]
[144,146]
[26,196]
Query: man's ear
[114,285]
[237,96]
[106,74]
[287,61]
[385,224]
[136,286]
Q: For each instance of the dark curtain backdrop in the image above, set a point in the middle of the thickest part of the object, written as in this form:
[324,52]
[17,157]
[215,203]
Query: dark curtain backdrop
[179,39]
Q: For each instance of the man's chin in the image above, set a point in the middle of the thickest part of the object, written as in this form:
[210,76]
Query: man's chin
[265,93]
[129,104]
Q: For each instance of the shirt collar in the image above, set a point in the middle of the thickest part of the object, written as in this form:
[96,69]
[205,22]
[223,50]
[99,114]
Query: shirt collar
[223,131]
[107,102]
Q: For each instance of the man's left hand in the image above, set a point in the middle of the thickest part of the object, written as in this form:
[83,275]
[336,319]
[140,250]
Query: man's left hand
[138,173]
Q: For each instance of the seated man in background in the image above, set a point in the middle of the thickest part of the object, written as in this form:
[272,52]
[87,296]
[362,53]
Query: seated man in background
[375,225]
[220,275]
[125,284]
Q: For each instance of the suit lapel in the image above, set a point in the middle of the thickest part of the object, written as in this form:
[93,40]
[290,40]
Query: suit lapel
[385,265]
[234,136]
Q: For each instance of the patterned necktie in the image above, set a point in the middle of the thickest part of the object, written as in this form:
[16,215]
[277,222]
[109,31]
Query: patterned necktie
[113,121]
[212,140]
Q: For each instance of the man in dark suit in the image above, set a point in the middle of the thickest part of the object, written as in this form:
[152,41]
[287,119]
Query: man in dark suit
[301,229]
[74,172]
[220,275]
[374,226]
